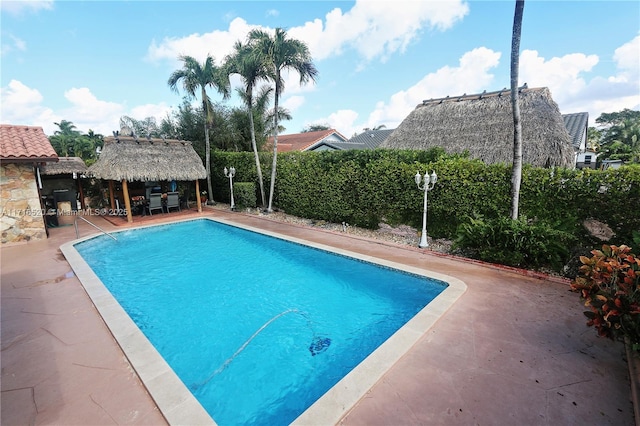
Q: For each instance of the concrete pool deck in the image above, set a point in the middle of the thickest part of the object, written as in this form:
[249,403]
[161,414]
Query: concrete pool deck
[511,350]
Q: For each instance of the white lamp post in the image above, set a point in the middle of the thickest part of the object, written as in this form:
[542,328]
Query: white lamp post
[230,173]
[428,183]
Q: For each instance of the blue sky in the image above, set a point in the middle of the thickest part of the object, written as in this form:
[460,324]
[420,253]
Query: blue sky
[92,62]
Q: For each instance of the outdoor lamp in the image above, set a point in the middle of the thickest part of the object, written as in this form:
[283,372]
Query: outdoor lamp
[425,185]
[230,173]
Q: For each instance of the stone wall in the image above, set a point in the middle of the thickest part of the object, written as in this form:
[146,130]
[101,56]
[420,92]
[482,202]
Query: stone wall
[20,212]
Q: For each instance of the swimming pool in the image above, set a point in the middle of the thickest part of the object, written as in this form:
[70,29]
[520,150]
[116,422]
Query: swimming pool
[274,329]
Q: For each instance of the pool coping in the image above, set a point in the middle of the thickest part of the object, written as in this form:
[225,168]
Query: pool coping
[178,405]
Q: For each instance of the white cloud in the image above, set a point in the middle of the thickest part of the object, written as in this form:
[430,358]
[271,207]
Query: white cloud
[88,112]
[372,28]
[568,79]
[377,28]
[158,111]
[18,7]
[21,105]
[342,120]
[14,44]
[627,56]
[561,75]
[471,76]
[292,103]
[200,45]
[273,12]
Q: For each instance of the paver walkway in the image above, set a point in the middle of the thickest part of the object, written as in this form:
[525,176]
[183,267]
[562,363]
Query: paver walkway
[513,350]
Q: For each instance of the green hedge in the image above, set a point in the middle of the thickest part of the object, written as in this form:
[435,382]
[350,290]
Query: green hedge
[367,187]
[245,195]
[245,165]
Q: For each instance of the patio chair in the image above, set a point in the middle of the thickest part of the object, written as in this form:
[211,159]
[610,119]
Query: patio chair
[155,203]
[173,201]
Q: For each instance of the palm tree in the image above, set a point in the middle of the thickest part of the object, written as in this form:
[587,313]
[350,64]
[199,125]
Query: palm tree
[97,141]
[196,76]
[64,139]
[280,53]
[250,67]
[378,127]
[66,128]
[516,171]
[262,106]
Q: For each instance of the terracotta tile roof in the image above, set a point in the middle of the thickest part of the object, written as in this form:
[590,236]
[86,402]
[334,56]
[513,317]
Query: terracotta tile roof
[302,141]
[25,143]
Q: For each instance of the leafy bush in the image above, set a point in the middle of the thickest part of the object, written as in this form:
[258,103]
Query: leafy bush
[608,285]
[522,243]
[245,194]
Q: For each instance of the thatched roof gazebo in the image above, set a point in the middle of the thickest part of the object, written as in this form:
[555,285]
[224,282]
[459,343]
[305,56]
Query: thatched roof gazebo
[131,158]
[482,124]
[64,166]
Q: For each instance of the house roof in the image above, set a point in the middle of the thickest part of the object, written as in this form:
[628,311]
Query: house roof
[305,141]
[369,139]
[576,125]
[25,144]
[64,166]
[142,159]
[482,124]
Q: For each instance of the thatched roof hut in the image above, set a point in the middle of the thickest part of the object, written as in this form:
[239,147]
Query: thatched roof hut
[64,166]
[482,124]
[140,159]
[130,158]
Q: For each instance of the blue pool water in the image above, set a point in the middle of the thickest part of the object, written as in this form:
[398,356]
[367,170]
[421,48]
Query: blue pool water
[256,327]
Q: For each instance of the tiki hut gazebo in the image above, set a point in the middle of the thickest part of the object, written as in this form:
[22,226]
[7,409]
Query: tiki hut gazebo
[482,124]
[130,158]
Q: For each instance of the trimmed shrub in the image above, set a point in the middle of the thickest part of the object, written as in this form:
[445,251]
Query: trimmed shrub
[245,194]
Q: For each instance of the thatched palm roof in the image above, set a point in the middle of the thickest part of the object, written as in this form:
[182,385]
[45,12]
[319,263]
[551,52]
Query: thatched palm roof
[142,159]
[483,125]
[64,166]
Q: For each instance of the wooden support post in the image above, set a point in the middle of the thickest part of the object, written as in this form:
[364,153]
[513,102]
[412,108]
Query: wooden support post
[112,201]
[82,205]
[127,201]
[198,196]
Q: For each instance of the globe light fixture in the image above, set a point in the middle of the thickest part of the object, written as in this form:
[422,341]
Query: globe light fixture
[425,184]
[230,173]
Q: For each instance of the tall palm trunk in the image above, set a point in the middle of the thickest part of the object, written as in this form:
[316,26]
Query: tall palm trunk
[207,145]
[207,161]
[274,163]
[254,145]
[516,171]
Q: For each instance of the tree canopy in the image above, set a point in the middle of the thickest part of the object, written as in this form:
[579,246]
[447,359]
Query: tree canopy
[620,136]
[67,141]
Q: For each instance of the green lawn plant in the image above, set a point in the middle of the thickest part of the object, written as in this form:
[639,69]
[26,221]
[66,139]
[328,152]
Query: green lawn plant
[524,243]
[608,284]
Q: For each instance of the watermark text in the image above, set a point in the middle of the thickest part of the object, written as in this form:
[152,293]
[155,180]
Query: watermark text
[60,212]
